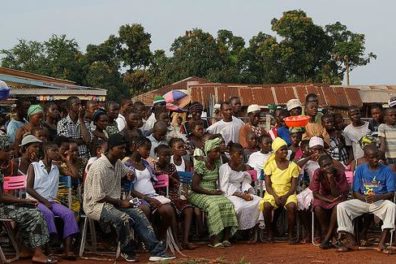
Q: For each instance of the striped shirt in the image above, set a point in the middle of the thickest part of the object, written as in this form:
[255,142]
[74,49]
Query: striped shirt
[389,133]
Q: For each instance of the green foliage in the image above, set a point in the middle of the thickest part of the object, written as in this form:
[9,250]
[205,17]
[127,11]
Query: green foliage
[125,65]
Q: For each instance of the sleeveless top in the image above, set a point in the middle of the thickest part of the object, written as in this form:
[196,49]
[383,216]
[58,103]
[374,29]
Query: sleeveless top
[181,167]
[45,184]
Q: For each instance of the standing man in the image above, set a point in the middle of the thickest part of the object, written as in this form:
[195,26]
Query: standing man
[126,108]
[159,106]
[253,113]
[229,126]
[236,106]
[75,127]
[103,203]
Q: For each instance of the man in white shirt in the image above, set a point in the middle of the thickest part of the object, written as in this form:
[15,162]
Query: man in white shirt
[159,106]
[126,107]
[229,126]
[354,132]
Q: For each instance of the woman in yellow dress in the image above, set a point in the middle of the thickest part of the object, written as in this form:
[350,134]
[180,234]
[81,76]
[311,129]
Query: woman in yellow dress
[281,176]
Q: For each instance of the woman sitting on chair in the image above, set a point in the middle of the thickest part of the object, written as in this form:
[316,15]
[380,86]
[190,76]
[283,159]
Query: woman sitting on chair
[24,213]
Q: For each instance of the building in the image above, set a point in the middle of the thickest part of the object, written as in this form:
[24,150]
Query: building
[45,88]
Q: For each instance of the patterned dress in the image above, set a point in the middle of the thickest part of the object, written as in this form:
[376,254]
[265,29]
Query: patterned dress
[29,221]
[220,211]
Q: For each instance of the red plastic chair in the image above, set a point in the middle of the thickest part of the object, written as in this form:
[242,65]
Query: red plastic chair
[11,183]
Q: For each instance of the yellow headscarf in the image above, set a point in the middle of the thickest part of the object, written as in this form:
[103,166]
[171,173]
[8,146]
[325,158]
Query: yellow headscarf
[276,145]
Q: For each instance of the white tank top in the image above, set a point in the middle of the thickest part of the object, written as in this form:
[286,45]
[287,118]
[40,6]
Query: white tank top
[143,182]
[45,184]
[181,167]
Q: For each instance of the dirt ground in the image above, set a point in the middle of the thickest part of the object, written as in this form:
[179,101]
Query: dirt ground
[264,254]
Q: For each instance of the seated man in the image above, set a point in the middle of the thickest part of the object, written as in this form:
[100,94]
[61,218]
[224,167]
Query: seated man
[102,203]
[373,187]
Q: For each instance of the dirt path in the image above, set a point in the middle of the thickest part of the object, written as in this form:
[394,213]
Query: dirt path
[267,254]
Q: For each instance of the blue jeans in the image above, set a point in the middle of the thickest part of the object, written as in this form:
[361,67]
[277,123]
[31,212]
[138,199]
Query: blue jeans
[125,219]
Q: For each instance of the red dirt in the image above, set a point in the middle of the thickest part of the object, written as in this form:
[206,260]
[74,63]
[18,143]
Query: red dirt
[267,254]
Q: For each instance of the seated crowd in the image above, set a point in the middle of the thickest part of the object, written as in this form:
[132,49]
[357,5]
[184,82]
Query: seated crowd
[225,175]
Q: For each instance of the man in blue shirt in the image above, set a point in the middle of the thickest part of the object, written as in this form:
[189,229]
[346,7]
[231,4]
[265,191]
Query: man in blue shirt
[373,188]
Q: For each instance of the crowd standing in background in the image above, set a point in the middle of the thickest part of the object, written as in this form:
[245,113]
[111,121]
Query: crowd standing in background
[240,177]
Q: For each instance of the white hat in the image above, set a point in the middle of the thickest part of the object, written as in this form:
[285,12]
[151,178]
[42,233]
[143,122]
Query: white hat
[392,102]
[216,106]
[28,139]
[253,108]
[293,103]
[316,141]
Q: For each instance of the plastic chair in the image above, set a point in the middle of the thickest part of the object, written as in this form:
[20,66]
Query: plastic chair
[65,182]
[162,182]
[185,177]
[11,183]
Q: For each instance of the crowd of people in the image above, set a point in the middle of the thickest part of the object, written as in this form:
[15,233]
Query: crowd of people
[115,153]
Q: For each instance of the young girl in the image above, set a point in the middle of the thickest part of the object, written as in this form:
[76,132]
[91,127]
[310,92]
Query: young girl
[296,136]
[143,187]
[196,136]
[42,185]
[163,166]
[235,183]
[259,158]
[206,195]
[281,176]
[251,145]
[179,150]
[100,121]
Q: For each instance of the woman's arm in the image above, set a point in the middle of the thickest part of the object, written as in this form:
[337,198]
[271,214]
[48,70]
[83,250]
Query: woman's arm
[268,186]
[293,187]
[195,186]
[30,188]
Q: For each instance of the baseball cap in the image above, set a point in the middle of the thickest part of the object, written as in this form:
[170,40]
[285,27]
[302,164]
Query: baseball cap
[316,141]
[28,139]
[293,103]
[392,101]
[253,108]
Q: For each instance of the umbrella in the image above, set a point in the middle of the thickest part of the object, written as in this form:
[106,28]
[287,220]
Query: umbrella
[180,98]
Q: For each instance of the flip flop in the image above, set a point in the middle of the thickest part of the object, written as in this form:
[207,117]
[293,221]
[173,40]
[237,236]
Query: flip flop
[217,245]
[226,243]
[49,260]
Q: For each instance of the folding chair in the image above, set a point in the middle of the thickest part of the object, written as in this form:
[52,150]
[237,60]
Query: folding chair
[163,182]
[11,183]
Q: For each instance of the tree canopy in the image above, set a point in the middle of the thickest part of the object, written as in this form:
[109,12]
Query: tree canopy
[124,64]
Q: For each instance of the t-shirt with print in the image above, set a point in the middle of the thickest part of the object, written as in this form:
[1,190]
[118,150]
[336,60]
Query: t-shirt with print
[352,136]
[378,181]
[389,133]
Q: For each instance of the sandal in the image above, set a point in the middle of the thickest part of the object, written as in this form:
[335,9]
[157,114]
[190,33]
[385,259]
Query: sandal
[217,245]
[226,243]
[189,246]
[326,245]
[49,260]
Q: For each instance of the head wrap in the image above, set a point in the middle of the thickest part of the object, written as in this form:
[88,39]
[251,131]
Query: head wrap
[276,145]
[366,140]
[158,99]
[316,141]
[34,109]
[296,130]
[212,144]
[196,107]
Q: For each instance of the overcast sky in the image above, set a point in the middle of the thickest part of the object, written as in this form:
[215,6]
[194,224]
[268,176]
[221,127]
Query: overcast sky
[92,21]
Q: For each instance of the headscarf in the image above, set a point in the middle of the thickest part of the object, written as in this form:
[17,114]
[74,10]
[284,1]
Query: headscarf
[212,144]
[34,109]
[366,140]
[276,145]
[296,130]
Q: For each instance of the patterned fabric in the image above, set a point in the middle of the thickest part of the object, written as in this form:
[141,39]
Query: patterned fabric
[174,188]
[66,127]
[112,128]
[337,150]
[30,222]
[219,209]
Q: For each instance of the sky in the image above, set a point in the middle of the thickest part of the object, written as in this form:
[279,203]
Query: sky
[92,21]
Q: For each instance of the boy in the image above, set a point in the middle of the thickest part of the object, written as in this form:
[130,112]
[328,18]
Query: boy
[337,148]
[354,132]
[314,128]
[387,136]
[373,187]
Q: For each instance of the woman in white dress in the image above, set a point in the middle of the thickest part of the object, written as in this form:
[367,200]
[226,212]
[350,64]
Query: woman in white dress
[235,183]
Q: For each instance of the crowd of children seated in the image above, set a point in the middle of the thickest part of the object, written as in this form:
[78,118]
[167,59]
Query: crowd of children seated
[240,175]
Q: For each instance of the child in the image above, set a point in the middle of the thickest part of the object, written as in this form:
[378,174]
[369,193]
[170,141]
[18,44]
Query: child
[296,136]
[251,145]
[329,188]
[100,149]
[337,149]
[281,130]
[42,185]
[313,128]
[387,136]
[196,136]
[281,176]
[377,116]
[258,159]
[40,133]
[179,150]
[158,136]
[183,208]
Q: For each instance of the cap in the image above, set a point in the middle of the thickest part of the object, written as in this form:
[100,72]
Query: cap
[216,106]
[116,140]
[316,141]
[392,101]
[28,139]
[253,108]
[293,103]
[158,99]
